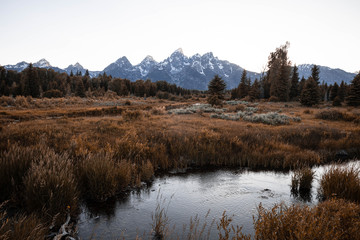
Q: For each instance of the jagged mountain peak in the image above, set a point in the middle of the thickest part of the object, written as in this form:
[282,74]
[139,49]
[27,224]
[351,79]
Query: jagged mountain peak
[42,63]
[193,72]
[78,65]
[123,61]
[208,55]
[148,59]
[179,50]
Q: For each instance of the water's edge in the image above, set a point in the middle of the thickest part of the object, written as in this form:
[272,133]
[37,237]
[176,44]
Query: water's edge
[185,195]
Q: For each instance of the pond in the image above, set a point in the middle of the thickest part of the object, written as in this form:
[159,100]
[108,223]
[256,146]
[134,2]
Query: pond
[186,195]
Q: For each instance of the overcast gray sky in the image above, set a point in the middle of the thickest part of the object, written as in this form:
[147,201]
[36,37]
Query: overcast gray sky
[97,33]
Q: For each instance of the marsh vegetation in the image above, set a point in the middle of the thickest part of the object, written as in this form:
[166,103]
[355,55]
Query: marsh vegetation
[56,154]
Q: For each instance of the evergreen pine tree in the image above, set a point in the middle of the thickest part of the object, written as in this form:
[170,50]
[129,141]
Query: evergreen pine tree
[79,89]
[315,74]
[71,73]
[254,92]
[243,89]
[216,90]
[342,91]
[353,98]
[278,74]
[336,102]
[3,86]
[301,84]
[30,80]
[310,93]
[334,91]
[234,93]
[294,88]
[87,73]
[279,89]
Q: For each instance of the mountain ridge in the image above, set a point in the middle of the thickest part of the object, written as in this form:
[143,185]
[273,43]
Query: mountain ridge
[193,72]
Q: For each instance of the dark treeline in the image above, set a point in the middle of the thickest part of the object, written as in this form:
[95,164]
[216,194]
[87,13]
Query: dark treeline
[40,82]
[281,82]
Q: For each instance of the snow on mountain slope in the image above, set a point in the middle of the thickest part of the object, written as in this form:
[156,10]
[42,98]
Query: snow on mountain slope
[193,72]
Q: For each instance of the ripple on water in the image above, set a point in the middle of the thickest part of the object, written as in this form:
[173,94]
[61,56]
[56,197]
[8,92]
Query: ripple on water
[237,192]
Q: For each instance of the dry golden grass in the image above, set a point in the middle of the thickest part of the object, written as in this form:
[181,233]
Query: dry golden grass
[21,227]
[301,181]
[100,177]
[228,231]
[333,219]
[50,185]
[340,182]
[107,144]
[14,164]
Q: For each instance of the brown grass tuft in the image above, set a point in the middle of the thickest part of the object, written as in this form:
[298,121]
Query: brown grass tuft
[14,164]
[333,219]
[50,185]
[301,181]
[101,177]
[132,115]
[146,171]
[21,227]
[335,115]
[340,182]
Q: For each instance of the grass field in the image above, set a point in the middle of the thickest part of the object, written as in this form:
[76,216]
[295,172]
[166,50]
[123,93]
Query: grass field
[56,152]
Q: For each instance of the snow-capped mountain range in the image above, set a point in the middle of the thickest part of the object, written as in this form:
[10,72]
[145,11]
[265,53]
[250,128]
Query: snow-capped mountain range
[188,72]
[193,72]
[43,63]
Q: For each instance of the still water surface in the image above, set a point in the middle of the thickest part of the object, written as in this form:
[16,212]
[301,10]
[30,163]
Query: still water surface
[186,195]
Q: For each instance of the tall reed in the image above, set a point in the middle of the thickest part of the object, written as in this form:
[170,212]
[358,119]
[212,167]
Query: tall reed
[340,182]
[333,219]
[101,177]
[14,164]
[50,185]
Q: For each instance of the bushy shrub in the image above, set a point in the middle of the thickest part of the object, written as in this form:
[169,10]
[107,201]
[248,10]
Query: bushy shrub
[251,109]
[274,99]
[132,115]
[271,118]
[20,101]
[340,182]
[53,93]
[234,102]
[196,108]
[336,102]
[162,95]
[7,101]
[181,111]
[335,115]
[225,116]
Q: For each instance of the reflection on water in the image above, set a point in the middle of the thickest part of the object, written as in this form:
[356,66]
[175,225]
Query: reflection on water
[237,192]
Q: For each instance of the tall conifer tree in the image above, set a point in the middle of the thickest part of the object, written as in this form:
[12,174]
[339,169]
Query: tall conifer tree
[30,80]
[353,98]
[294,88]
[310,93]
[278,74]
[216,90]
[243,89]
[315,74]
